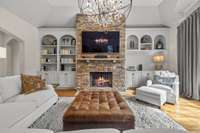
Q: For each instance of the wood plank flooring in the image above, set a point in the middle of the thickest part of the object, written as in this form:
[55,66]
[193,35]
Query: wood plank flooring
[186,112]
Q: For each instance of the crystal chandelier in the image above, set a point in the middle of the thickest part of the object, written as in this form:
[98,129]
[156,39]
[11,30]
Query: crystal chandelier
[105,12]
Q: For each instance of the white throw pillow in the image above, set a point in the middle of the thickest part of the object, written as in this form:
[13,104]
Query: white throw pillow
[10,86]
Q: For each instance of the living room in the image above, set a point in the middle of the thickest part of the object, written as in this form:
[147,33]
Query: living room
[99,66]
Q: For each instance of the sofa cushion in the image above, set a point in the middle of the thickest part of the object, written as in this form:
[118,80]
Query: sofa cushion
[24,130]
[37,98]
[162,87]
[10,86]
[94,131]
[12,113]
[150,90]
[157,130]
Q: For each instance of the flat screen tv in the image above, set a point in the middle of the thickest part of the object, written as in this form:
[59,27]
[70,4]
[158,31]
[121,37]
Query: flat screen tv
[100,42]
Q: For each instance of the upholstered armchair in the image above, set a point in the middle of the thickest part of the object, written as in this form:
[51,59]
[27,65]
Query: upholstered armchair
[167,81]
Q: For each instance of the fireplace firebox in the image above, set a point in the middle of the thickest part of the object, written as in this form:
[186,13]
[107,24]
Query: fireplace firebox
[101,79]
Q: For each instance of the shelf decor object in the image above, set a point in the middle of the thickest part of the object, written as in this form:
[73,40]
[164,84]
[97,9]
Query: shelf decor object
[146,43]
[49,53]
[105,12]
[160,42]
[2,52]
[133,43]
[67,53]
[158,60]
[49,40]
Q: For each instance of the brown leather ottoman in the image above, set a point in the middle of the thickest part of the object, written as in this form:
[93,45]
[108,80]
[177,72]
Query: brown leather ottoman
[98,109]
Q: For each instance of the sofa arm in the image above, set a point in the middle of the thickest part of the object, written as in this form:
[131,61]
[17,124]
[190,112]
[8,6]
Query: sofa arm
[24,130]
[50,87]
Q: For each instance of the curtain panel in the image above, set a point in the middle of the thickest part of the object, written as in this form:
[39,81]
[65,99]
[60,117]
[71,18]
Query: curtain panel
[189,56]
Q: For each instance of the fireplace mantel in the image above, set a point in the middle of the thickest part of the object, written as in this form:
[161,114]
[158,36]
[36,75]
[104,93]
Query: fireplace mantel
[100,59]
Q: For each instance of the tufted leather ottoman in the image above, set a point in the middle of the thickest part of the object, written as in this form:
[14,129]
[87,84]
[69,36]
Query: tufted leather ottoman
[98,109]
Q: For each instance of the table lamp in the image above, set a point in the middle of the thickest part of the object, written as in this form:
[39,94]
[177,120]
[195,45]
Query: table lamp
[2,52]
[158,60]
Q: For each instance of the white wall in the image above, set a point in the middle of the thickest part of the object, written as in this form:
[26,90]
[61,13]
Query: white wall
[2,61]
[144,16]
[134,58]
[14,64]
[173,49]
[178,11]
[28,34]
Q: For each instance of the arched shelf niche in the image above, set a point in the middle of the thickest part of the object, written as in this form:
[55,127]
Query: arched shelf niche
[133,42]
[160,42]
[49,40]
[146,42]
[67,40]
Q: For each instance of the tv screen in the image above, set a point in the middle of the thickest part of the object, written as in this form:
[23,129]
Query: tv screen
[100,42]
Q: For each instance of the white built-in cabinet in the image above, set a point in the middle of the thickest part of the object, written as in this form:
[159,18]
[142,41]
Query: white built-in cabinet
[58,57]
[138,78]
[141,45]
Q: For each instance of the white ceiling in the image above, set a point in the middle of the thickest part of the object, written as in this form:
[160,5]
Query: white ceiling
[145,3]
[62,13]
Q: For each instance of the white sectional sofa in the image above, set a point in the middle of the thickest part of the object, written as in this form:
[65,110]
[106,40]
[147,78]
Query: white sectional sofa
[20,110]
[24,130]
[158,130]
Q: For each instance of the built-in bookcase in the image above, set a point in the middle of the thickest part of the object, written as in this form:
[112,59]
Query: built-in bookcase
[58,57]
[67,53]
[146,43]
[49,53]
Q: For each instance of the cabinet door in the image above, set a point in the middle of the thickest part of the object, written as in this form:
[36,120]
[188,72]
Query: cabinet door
[53,77]
[45,75]
[71,78]
[132,79]
[67,79]
[136,79]
[63,79]
[50,77]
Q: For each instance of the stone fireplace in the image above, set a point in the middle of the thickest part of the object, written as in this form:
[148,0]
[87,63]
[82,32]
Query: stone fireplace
[95,70]
[101,79]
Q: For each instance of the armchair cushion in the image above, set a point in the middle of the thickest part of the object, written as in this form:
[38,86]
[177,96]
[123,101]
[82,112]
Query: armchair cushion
[163,87]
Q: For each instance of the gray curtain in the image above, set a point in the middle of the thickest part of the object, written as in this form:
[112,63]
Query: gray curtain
[189,56]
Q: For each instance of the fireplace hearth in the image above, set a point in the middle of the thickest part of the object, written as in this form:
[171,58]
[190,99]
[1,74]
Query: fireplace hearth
[101,79]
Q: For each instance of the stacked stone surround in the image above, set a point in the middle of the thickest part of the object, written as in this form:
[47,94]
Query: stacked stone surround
[86,63]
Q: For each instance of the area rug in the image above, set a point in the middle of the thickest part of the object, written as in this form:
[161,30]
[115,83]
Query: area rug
[147,116]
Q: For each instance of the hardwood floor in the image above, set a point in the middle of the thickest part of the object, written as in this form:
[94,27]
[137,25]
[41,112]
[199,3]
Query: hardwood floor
[186,112]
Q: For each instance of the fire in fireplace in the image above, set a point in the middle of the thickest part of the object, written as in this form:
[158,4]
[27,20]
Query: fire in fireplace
[101,79]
